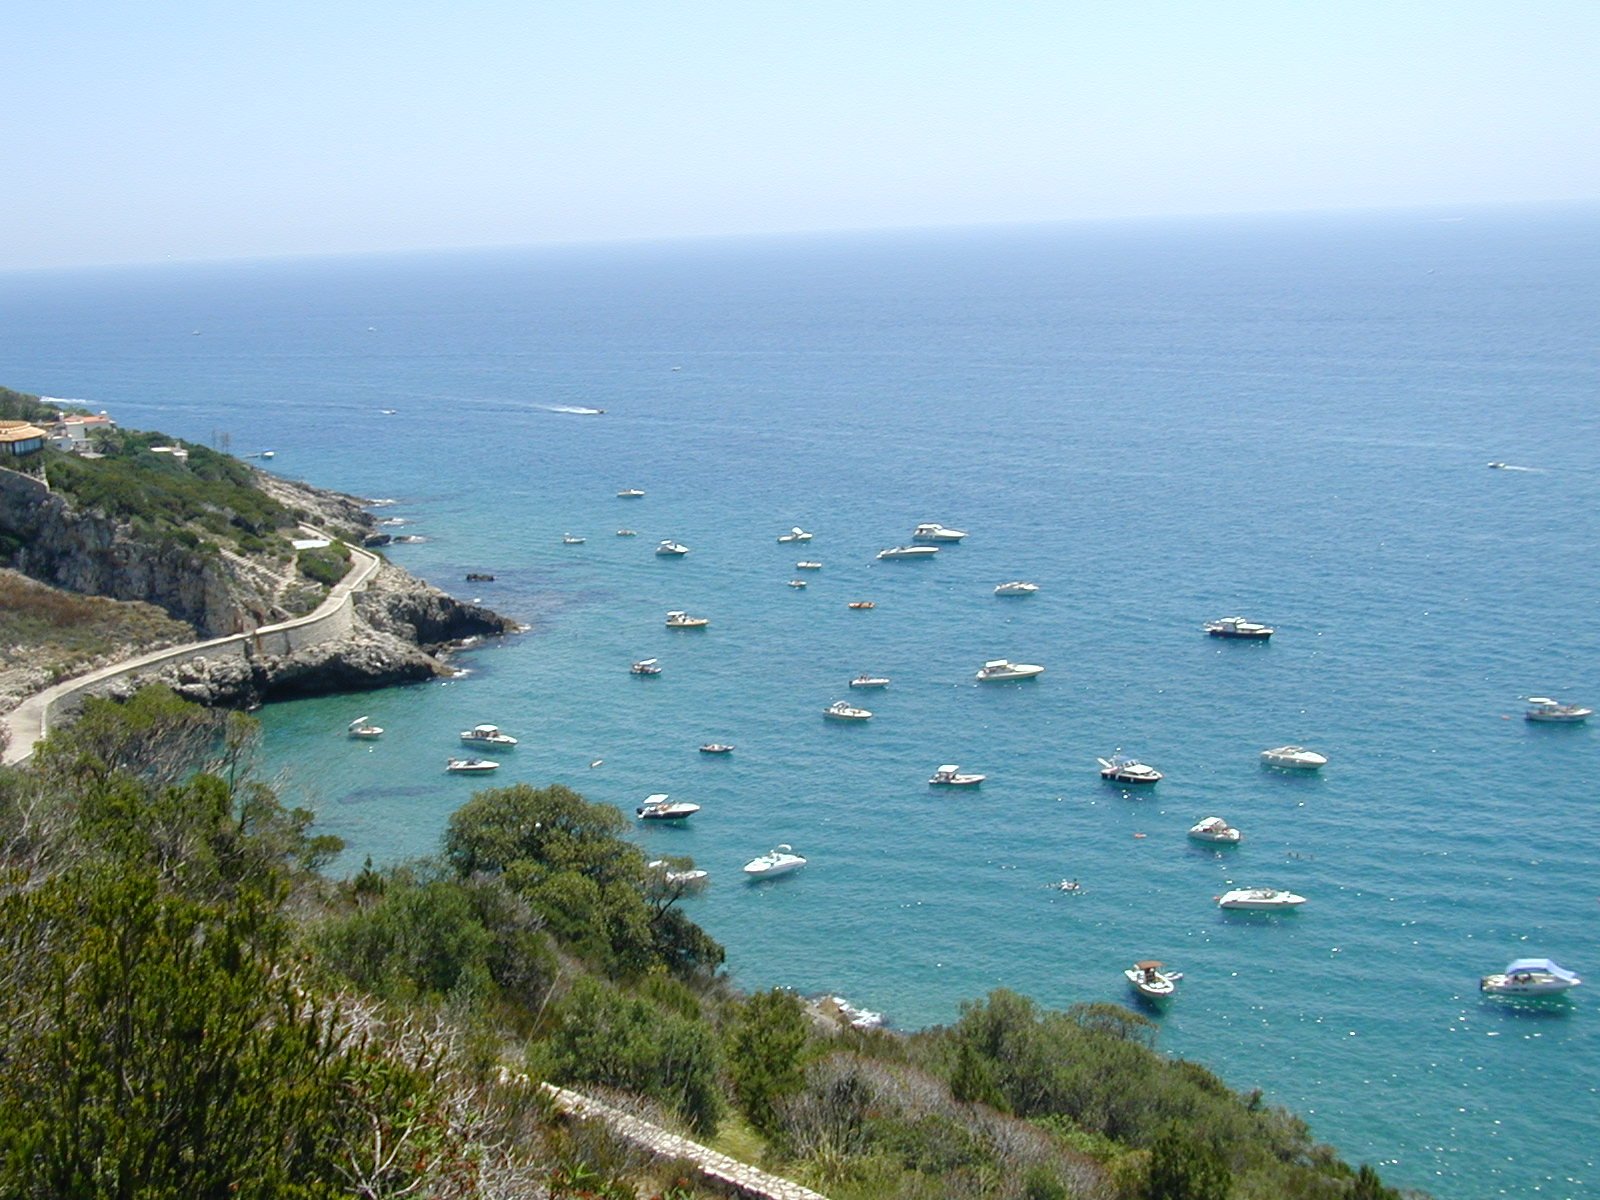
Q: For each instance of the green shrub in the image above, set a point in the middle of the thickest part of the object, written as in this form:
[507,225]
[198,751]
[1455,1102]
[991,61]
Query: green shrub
[602,1035]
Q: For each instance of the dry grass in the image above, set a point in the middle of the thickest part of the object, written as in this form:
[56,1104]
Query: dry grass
[47,634]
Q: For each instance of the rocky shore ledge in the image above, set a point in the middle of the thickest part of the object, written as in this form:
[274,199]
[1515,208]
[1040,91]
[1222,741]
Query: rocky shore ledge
[402,630]
[394,629]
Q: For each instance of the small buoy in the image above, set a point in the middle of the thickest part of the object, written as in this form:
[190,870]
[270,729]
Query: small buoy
[597,762]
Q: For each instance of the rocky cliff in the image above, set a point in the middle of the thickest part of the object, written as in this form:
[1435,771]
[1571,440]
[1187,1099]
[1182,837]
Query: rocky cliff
[399,628]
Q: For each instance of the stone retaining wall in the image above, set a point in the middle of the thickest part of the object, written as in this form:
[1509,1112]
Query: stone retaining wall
[741,1178]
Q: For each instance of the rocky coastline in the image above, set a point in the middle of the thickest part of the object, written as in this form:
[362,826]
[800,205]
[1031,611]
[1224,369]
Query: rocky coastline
[399,628]
[404,630]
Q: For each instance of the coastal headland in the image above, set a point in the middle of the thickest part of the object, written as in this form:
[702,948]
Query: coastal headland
[278,583]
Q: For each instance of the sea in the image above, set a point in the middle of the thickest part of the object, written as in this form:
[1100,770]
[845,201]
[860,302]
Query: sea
[1159,422]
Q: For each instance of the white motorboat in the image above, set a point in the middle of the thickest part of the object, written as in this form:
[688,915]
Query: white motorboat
[659,808]
[645,666]
[861,605]
[843,710]
[1016,587]
[488,735]
[870,681]
[808,565]
[1238,627]
[1260,900]
[692,877]
[1119,768]
[469,766]
[797,583]
[627,533]
[1544,709]
[362,727]
[1150,981]
[794,535]
[950,775]
[716,748]
[908,552]
[570,539]
[630,494]
[671,549]
[1294,758]
[677,619]
[780,860]
[1215,829]
[1530,977]
[997,670]
[932,531]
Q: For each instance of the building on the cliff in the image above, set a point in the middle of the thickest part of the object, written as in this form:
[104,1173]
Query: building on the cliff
[18,438]
[72,432]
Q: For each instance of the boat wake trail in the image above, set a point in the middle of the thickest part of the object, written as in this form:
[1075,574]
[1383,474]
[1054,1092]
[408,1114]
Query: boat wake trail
[573,409]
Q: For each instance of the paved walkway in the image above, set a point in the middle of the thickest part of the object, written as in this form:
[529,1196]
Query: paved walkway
[743,1178]
[28,722]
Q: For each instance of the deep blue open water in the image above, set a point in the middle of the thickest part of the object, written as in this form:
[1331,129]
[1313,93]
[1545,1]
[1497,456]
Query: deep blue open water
[1160,423]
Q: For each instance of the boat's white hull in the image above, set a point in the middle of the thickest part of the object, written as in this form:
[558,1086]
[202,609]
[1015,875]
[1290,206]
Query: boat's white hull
[1251,901]
[1500,985]
[1015,673]
[1163,988]
[1559,718]
[1231,838]
[958,781]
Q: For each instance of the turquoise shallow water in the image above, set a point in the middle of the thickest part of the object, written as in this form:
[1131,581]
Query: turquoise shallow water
[1160,424]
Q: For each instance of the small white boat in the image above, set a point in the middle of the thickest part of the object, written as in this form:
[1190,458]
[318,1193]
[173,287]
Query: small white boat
[797,583]
[861,605]
[568,539]
[488,735]
[645,666]
[843,710]
[1530,977]
[269,454]
[1238,627]
[795,535]
[1544,709]
[630,494]
[932,531]
[1150,981]
[627,533]
[1260,900]
[659,808]
[780,860]
[950,775]
[908,552]
[361,727]
[1497,466]
[1119,768]
[1016,587]
[808,565]
[1294,758]
[1215,829]
[692,877]
[716,748]
[870,681]
[678,619]
[997,670]
[468,766]
[671,549]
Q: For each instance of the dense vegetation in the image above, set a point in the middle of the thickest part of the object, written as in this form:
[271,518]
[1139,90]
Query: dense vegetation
[185,500]
[190,1008]
[19,406]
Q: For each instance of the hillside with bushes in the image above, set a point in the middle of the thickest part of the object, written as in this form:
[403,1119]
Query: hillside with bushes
[193,1008]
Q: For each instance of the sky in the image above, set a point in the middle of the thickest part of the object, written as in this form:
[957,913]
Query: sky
[192,129]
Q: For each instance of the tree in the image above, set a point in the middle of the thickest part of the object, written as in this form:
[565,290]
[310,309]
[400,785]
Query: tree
[766,1048]
[1182,1167]
[605,1036]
